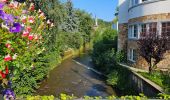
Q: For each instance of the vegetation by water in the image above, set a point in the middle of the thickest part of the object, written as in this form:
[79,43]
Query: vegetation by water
[106,58]
[160,78]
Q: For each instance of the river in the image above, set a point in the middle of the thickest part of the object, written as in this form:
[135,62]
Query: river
[74,76]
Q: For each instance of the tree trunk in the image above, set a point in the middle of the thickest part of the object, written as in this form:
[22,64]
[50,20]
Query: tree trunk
[150,69]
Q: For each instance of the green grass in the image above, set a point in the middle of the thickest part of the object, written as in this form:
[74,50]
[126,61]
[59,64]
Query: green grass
[163,80]
[155,77]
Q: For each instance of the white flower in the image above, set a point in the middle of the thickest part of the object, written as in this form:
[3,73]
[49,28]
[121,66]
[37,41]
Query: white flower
[15,56]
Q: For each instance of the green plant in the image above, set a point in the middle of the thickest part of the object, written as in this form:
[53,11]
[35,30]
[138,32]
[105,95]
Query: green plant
[112,78]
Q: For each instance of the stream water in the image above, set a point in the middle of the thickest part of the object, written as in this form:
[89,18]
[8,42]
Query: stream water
[73,78]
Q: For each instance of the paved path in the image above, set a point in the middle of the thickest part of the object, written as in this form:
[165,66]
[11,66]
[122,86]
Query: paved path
[72,78]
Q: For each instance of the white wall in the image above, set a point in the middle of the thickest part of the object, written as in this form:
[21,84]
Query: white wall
[123,11]
[157,7]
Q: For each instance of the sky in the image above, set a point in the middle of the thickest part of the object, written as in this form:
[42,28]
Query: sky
[103,9]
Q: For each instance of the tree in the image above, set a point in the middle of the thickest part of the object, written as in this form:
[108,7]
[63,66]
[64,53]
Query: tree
[71,22]
[152,48]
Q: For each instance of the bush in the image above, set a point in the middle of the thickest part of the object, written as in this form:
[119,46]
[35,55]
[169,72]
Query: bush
[113,78]
[104,50]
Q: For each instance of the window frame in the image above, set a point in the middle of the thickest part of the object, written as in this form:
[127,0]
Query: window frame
[131,55]
[132,31]
[165,27]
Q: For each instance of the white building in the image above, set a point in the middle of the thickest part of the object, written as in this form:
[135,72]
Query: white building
[138,17]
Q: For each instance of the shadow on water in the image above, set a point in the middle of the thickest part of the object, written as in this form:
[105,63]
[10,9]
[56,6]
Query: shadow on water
[72,78]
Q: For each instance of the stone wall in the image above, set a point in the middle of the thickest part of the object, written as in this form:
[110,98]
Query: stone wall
[141,63]
[150,18]
[122,37]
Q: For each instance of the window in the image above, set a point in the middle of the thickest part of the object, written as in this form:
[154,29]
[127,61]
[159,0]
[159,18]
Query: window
[153,28]
[132,55]
[143,30]
[134,2]
[166,29]
[133,31]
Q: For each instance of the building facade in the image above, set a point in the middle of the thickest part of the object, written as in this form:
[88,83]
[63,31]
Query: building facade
[137,17]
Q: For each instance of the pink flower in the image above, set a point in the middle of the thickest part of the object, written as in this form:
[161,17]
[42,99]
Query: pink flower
[31,19]
[42,16]
[36,37]
[4,1]
[8,58]
[39,11]
[32,7]
[24,19]
[48,22]
[52,25]
[8,45]
[25,33]
[30,37]
[29,29]
[24,12]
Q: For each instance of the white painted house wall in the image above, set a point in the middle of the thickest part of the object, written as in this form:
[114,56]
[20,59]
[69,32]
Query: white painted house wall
[123,11]
[144,9]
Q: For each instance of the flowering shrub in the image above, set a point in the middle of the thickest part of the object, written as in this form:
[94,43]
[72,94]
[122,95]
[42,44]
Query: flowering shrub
[21,40]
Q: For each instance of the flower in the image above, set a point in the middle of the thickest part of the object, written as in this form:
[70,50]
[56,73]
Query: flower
[4,1]
[8,94]
[39,11]
[25,33]
[52,25]
[6,70]
[14,56]
[29,28]
[24,11]
[1,5]
[15,28]
[36,37]
[8,45]
[24,19]
[31,19]
[42,16]
[3,75]
[6,17]
[30,37]
[32,7]
[48,22]
[8,58]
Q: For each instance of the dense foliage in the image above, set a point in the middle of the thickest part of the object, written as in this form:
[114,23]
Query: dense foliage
[106,58]
[67,97]
[33,40]
[104,50]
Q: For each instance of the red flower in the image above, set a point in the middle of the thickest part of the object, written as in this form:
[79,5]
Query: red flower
[24,19]
[8,45]
[2,74]
[30,37]
[31,19]
[25,33]
[11,5]
[32,7]
[6,70]
[8,58]
[29,29]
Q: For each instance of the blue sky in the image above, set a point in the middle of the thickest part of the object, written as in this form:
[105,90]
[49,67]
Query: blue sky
[103,9]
